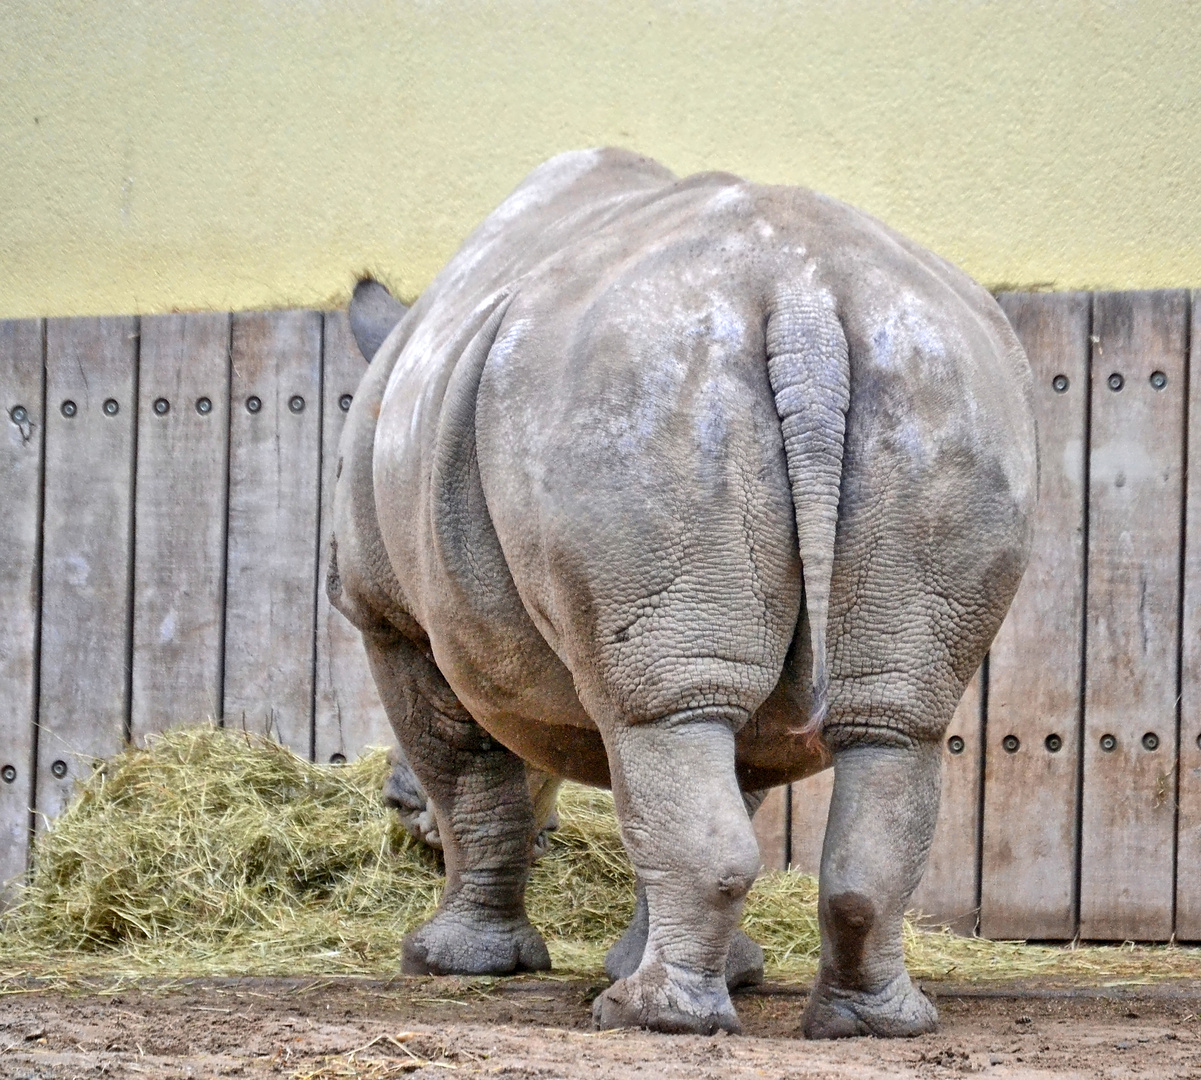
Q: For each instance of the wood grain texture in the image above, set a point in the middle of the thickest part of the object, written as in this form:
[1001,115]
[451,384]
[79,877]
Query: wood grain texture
[1188,849]
[771,829]
[179,553]
[86,550]
[810,809]
[1135,491]
[348,714]
[1028,878]
[274,481]
[20,584]
[947,892]
[294,667]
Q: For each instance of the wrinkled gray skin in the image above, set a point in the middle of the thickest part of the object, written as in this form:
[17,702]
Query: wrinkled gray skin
[676,486]
[373,315]
[404,794]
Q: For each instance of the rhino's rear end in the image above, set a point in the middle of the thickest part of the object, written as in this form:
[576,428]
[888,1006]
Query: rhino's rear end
[610,487]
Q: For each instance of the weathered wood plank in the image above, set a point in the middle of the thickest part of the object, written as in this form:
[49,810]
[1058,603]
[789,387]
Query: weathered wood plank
[1188,850]
[274,480]
[1028,879]
[349,716]
[20,586]
[947,892]
[810,809]
[91,375]
[1135,492]
[179,559]
[771,829]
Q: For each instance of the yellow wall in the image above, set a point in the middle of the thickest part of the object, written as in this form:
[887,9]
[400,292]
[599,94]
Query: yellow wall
[256,153]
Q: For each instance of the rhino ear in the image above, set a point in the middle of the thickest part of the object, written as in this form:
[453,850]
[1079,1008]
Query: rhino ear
[373,313]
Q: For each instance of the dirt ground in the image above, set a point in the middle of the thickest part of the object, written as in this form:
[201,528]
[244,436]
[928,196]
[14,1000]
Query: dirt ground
[541,1027]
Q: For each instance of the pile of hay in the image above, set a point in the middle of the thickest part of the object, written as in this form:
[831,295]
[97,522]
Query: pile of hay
[215,852]
[211,852]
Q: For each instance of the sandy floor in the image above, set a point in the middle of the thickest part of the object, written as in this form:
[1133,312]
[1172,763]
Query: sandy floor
[541,1028]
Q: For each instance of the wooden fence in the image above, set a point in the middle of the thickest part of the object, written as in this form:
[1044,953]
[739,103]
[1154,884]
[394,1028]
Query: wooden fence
[166,488]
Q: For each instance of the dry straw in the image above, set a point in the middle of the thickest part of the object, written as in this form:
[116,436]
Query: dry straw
[218,853]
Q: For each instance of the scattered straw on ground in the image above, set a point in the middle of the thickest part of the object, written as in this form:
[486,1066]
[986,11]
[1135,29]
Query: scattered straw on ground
[219,853]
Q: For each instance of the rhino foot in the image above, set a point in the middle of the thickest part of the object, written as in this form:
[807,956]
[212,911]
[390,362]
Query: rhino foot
[453,943]
[422,827]
[542,840]
[744,961]
[900,1010]
[673,1002]
[404,793]
[625,954]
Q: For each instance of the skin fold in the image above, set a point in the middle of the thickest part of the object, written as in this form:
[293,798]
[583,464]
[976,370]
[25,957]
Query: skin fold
[683,488]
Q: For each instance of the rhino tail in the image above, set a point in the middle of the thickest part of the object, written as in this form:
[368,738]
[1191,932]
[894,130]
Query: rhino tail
[808,365]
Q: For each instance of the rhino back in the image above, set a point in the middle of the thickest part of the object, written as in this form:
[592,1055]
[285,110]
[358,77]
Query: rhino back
[632,462]
[557,200]
[615,522]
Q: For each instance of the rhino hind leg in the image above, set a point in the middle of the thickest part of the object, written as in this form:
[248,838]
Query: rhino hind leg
[744,961]
[882,817]
[695,852]
[485,818]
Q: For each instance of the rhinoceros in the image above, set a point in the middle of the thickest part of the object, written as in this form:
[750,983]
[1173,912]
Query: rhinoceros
[681,487]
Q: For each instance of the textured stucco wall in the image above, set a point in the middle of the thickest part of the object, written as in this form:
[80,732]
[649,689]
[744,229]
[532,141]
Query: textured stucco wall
[256,153]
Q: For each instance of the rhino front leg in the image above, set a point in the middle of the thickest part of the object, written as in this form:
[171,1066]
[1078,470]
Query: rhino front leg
[744,961]
[485,820]
[882,817]
[692,846]
[404,794]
